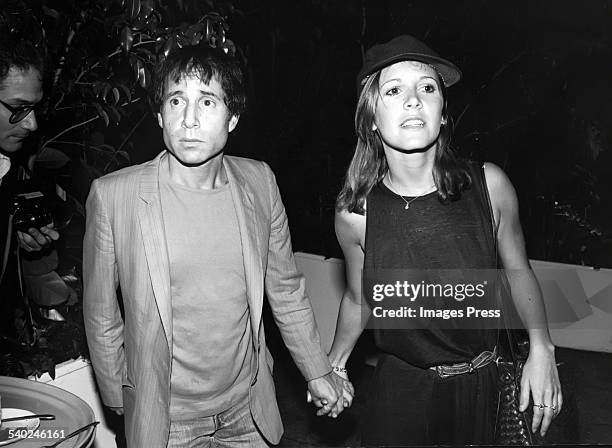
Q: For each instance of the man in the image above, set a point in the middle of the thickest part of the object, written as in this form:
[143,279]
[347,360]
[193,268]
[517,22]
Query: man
[193,238]
[21,68]
[20,91]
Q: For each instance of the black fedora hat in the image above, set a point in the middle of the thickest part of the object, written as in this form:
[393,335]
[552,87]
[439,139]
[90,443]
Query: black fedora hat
[406,48]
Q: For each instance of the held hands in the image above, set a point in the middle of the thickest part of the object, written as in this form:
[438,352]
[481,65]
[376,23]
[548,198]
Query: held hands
[36,240]
[331,393]
[541,380]
[348,391]
[324,393]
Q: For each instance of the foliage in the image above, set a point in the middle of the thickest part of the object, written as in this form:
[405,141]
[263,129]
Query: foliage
[100,57]
[43,345]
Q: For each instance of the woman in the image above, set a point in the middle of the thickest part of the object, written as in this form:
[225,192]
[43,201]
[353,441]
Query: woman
[425,208]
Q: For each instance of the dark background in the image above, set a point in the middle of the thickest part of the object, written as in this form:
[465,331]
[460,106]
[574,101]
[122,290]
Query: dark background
[534,99]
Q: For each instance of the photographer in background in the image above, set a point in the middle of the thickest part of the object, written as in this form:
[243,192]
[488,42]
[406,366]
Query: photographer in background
[21,69]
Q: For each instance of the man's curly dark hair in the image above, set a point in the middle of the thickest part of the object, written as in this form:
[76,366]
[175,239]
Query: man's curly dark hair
[205,63]
[20,54]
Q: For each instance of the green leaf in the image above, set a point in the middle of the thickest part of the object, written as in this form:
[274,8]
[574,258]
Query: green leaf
[105,90]
[97,89]
[133,8]
[126,91]
[229,47]
[127,38]
[115,95]
[139,23]
[51,158]
[51,12]
[146,54]
[193,29]
[135,63]
[114,113]
[147,8]
[209,30]
[144,77]
[105,147]
[194,33]
[124,154]
[102,113]
[153,21]
[169,46]
[26,367]
[139,71]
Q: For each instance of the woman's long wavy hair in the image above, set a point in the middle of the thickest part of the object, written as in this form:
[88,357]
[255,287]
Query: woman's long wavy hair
[369,165]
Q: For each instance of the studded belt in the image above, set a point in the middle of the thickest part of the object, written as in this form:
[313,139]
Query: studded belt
[482,360]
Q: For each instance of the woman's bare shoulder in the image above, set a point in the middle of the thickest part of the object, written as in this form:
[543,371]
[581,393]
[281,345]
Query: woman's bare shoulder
[350,227]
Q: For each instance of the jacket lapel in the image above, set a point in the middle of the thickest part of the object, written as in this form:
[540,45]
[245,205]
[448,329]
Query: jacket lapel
[249,224]
[154,239]
[155,247]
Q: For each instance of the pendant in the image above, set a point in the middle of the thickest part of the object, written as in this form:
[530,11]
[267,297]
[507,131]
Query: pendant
[407,207]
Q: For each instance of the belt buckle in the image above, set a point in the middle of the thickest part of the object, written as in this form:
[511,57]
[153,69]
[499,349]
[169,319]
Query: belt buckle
[441,373]
[471,368]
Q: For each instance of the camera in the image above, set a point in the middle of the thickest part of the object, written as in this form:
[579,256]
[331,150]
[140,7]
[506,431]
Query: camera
[29,210]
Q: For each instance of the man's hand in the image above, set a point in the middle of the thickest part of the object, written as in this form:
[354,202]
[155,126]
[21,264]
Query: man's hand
[118,411]
[36,240]
[324,393]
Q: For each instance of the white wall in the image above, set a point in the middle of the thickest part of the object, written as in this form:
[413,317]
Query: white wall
[77,376]
[581,291]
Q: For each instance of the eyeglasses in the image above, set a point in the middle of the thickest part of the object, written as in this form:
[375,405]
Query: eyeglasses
[18,113]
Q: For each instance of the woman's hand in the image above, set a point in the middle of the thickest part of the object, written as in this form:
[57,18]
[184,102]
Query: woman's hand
[348,391]
[541,380]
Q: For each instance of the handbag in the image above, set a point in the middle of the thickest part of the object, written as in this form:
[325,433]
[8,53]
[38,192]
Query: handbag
[513,427]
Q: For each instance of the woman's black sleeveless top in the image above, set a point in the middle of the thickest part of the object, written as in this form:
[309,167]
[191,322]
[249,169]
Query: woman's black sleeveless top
[431,235]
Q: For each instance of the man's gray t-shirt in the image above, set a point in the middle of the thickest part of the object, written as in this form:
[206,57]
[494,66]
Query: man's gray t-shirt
[213,349]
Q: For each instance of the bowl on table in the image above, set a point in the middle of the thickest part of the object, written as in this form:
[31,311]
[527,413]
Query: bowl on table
[27,396]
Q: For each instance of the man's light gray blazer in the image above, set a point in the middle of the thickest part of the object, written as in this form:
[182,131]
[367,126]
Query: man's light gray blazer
[125,246]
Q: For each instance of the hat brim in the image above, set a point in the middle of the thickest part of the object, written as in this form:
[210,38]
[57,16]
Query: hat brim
[448,71]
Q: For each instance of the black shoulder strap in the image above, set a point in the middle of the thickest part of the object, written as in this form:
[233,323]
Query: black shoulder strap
[485,191]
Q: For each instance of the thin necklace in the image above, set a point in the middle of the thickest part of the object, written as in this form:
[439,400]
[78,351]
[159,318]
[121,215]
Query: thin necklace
[403,198]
